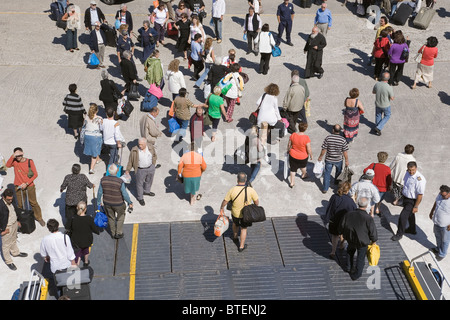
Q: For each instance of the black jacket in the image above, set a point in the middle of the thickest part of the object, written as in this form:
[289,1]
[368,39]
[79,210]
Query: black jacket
[93,41]
[358,228]
[128,18]
[4,214]
[215,74]
[128,71]
[87,17]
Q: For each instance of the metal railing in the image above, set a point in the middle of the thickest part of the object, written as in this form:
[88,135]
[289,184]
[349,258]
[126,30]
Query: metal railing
[37,288]
[444,284]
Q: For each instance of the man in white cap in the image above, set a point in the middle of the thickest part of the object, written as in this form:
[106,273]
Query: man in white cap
[92,15]
[365,188]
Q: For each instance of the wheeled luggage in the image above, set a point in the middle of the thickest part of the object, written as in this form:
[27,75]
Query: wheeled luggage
[74,282]
[423,18]
[305,3]
[402,14]
[56,10]
[110,34]
[26,216]
[118,164]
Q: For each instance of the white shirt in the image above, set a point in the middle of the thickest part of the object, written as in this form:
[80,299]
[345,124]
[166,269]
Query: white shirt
[265,41]
[218,8]
[176,81]
[111,134]
[12,217]
[94,16]
[441,215]
[145,158]
[160,16]
[413,185]
[99,36]
[268,111]
[61,254]
[366,189]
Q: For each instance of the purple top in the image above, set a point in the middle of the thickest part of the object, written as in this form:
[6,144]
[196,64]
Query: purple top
[395,52]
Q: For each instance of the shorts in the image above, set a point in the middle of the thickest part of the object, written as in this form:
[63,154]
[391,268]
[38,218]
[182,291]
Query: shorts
[240,222]
[296,164]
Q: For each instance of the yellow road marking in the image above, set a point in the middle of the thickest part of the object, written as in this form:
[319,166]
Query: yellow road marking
[133,261]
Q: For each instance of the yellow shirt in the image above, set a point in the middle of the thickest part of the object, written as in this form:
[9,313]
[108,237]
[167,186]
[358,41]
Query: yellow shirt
[238,204]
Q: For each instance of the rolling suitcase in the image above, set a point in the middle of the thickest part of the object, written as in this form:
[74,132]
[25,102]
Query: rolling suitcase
[118,164]
[110,34]
[402,14]
[26,217]
[423,18]
[305,3]
[81,293]
[74,282]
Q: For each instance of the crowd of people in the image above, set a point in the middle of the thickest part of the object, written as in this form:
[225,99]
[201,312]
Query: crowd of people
[351,210]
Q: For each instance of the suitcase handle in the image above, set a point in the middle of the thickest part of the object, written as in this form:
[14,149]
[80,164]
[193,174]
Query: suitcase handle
[28,202]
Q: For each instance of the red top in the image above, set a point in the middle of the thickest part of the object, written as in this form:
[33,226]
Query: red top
[21,171]
[428,55]
[379,45]
[299,142]
[382,179]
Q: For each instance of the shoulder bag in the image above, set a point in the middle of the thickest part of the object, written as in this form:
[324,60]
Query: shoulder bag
[418,57]
[254,115]
[252,213]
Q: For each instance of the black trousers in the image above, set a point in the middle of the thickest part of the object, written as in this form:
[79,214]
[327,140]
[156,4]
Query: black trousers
[251,35]
[407,216]
[264,62]
[198,67]
[356,272]
[396,72]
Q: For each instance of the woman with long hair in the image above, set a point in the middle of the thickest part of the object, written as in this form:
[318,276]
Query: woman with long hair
[425,66]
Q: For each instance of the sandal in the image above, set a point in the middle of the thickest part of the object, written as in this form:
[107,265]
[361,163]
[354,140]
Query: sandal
[199,196]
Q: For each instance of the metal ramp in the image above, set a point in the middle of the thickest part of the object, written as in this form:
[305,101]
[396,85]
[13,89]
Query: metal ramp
[287,258]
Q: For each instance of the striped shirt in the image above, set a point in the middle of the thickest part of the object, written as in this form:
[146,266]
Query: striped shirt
[335,145]
[72,102]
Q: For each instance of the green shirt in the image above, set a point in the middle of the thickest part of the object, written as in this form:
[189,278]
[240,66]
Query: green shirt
[383,94]
[214,104]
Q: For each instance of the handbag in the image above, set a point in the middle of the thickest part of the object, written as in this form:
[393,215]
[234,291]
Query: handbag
[276,51]
[100,220]
[93,60]
[173,125]
[221,225]
[133,94]
[308,108]
[230,203]
[418,57]
[373,254]
[252,213]
[60,23]
[254,115]
[346,175]
[30,173]
[127,108]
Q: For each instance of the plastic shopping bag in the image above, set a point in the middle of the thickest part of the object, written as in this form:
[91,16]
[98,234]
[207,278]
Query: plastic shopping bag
[318,169]
[221,225]
[101,220]
[373,254]
[93,60]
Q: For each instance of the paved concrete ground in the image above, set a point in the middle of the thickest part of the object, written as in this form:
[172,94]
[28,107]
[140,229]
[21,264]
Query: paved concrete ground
[37,71]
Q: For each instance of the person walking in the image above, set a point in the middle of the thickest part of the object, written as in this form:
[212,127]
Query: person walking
[183,26]
[92,15]
[24,175]
[340,203]
[314,46]
[93,139]
[237,86]
[76,184]
[143,160]
[299,149]
[216,109]
[384,94]
[154,71]
[353,109]
[181,107]
[265,42]
[323,19]
[293,103]
[359,230]
[97,43]
[56,248]
[128,70]
[285,17]
[398,168]
[190,170]
[197,56]
[237,195]
[397,57]
[413,189]
[175,78]
[160,16]
[109,93]
[113,192]
[125,17]
[74,108]
[217,13]
[365,188]
[72,17]
[252,25]
[8,229]
[148,39]
[440,215]
[426,65]
[380,53]
[148,127]
[335,150]
[256,153]
[383,177]
[112,136]
[81,227]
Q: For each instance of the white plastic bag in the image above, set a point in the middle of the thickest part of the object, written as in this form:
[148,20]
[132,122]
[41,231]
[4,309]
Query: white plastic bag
[318,169]
[286,166]
[221,225]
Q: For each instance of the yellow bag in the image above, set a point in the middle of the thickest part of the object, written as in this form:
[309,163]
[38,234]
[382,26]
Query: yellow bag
[308,108]
[373,254]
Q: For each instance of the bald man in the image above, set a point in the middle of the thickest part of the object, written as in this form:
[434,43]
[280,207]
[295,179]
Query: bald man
[314,50]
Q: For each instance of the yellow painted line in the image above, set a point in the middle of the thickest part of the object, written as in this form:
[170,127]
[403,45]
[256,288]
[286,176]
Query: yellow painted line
[133,261]
[412,278]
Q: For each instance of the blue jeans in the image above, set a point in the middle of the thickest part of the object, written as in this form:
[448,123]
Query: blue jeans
[380,121]
[442,240]
[113,153]
[255,169]
[184,124]
[202,78]
[218,28]
[327,173]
